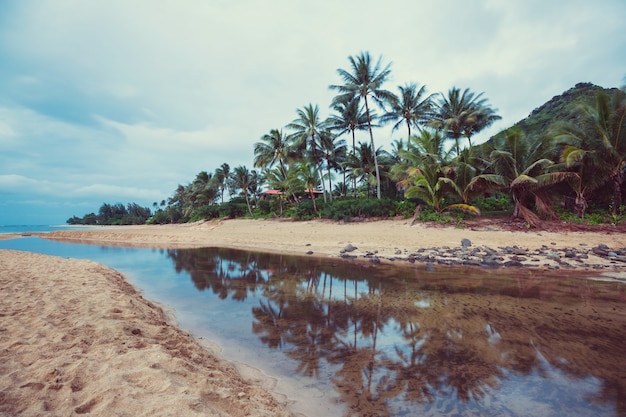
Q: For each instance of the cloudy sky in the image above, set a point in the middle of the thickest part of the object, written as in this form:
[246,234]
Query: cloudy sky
[121,101]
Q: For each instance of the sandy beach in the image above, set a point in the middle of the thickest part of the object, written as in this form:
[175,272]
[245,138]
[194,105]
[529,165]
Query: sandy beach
[77,338]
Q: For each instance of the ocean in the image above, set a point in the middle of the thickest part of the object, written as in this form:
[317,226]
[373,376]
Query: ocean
[8,229]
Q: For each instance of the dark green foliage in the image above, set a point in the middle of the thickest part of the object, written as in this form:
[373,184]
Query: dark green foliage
[304,211]
[115,214]
[234,208]
[351,208]
[160,217]
[405,208]
[494,203]
[205,213]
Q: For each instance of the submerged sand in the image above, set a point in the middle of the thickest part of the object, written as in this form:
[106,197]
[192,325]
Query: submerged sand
[77,338]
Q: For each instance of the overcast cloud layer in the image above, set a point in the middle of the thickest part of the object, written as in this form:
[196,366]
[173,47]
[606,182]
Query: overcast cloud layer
[121,101]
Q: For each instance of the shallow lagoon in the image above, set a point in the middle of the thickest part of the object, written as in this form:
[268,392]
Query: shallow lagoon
[356,340]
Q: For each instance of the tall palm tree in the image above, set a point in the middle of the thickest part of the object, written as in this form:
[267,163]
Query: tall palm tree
[350,117]
[462,113]
[273,148]
[360,165]
[410,107]
[521,166]
[307,131]
[333,151]
[598,143]
[308,174]
[221,177]
[365,80]
[242,179]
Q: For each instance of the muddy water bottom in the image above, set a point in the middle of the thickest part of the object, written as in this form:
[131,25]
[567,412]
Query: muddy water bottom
[351,339]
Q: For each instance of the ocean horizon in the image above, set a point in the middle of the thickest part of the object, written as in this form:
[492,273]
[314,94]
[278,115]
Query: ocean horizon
[37,228]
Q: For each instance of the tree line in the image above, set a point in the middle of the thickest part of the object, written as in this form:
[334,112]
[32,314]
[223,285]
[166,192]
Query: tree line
[312,169]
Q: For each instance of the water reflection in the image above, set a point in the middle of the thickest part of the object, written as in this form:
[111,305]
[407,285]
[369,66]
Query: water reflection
[400,341]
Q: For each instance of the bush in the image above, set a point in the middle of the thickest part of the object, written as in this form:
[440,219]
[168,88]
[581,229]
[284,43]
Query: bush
[405,208]
[496,202]
[205,213]
[348,209]
[304,210]
[233,209]
[160,217]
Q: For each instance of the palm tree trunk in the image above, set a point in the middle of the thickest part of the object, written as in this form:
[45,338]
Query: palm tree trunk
[354,154]
[369,126]
[617,191]
[319,166]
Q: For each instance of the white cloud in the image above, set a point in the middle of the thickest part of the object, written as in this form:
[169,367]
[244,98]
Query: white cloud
[108,96]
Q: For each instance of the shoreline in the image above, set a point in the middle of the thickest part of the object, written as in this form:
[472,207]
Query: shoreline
[81,337]
[381,241]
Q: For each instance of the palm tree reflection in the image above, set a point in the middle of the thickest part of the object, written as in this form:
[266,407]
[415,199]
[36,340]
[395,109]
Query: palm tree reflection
[448,342]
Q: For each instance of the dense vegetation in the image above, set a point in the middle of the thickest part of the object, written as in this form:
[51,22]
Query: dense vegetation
[566,159]
[114,214]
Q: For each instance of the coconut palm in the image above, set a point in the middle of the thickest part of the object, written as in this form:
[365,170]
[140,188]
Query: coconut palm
[597,145]
[333,151]
[410,107]
[365,80]
[307,131]
[308,175]
[273,148]
[242,179]
[360,165]
[521,166]
[462,113]
[221,177]
[350,117]
[426,174]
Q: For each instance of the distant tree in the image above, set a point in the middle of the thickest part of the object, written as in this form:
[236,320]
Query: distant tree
[365,80]
[350,117]
[221,176]
[462,114]
[411,107]
[241,179]
[273,148]
[308,129]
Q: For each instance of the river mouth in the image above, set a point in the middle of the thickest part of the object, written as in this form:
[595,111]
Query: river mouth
[342,338]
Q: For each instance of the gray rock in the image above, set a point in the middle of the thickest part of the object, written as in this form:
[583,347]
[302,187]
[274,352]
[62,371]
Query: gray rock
[466,243]
[348,248]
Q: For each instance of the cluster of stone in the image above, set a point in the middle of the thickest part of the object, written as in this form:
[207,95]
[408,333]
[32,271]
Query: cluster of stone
[506,256]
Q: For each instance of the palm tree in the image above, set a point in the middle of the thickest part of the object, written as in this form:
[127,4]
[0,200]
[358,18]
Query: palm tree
[221,177]
[308,174]
[308,129]
[273,148]
[242,179]
[598,144]
[426,174]
[350,118]
[462,113]
[333,151]
[409,107]
[521,166]
[365,80]
[360,165]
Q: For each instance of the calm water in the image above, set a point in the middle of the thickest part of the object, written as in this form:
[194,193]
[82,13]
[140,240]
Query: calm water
[7,229]
[349,340]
